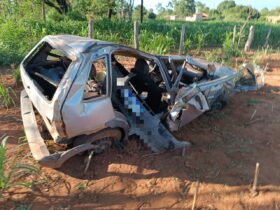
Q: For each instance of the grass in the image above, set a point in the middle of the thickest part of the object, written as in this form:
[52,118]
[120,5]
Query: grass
[16,75]
[253,102]
[161,37]
[12,169]
[5,96]
[24,207]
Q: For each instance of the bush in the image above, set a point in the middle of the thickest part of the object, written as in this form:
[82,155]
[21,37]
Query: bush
[76,15]
[53,15]
[230,49]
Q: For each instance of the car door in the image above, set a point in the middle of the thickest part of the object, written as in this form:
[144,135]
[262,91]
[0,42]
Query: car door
[89,106]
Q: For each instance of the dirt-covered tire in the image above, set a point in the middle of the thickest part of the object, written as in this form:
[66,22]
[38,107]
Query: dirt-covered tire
[104,138]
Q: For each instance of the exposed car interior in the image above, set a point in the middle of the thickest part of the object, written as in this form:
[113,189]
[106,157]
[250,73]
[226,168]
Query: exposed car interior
[191,73]
[47,67]
[145,78]
[96,83]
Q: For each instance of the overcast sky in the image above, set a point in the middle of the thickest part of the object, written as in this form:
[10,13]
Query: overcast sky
[259,4]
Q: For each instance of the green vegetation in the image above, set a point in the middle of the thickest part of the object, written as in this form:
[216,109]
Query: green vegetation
[5,96]
[23,24]
[18,37]
[11,170]
[16,75]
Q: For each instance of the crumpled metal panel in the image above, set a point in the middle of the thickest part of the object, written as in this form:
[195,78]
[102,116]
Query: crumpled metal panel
[255,81]
[87,116]
[79,117]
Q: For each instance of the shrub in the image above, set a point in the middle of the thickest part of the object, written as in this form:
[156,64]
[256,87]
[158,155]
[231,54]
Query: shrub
[76,15]
[53,15]
[230,49]
[188,43]
[200,41]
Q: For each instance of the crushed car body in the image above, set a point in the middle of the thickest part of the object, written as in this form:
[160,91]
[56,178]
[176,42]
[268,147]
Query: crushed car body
[91,93]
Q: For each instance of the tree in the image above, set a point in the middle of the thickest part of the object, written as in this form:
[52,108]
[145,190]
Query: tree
[137,12]
[275,11]
[160,8]
[62,6]
[264,11]
[241,12]
[184,7]
[202,7]
[225,5]
[82,6]
[95,8]
[162,11]
[121,8]
[151,14]
[215,14]
[130,8]
[20,9]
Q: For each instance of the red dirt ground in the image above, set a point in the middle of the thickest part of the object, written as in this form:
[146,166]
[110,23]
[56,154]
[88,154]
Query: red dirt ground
[223,158]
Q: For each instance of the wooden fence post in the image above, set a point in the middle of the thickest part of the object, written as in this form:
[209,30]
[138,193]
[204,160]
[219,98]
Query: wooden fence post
[90,28]
[267,38]
[195,195]
[249,40]
[182,40]
[255,183]
[136,35]
[234,34]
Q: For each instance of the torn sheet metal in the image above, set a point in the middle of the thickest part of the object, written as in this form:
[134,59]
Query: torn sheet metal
[138,93]
[252,78]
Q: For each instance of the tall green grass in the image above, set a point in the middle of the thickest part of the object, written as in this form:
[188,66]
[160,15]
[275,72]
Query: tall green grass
[10,170]
[18,37]
[6,96]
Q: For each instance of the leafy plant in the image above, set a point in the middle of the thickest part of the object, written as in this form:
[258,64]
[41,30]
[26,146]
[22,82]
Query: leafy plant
[9,173]
[18,36]
[200,41]
[230,49]
[16,75]
[5,95]
[188,43]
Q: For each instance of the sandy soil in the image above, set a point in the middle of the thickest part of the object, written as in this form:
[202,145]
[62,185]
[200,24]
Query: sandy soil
[225,150]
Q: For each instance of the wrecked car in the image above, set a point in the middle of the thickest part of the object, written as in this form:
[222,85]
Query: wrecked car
[91,93]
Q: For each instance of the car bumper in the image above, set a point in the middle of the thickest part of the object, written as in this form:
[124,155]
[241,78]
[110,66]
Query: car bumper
[37,144]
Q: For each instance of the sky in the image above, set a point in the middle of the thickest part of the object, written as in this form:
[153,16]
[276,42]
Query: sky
[258,4]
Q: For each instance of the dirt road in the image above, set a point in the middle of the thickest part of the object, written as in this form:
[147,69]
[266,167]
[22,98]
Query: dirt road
[226,147]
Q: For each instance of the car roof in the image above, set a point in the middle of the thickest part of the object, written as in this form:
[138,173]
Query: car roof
[75,44]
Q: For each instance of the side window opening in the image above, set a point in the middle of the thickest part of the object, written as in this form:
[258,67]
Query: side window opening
[146,80]
[124,63]
[191,73]
[46,67]
[96,84]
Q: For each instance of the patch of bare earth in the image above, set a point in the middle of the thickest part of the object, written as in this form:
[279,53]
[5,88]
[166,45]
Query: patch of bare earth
[226,146]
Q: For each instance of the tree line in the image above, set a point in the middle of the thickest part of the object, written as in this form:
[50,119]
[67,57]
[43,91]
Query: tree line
[125,9]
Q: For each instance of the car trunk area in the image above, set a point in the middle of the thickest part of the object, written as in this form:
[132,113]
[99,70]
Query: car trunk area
[46,66]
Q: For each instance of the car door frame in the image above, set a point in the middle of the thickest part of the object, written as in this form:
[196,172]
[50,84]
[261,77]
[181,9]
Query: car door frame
[91,115]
